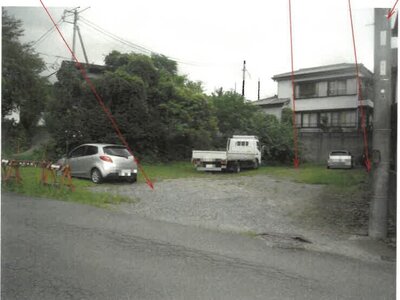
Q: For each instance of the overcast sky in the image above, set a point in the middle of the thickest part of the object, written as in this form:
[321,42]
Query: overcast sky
[209,38]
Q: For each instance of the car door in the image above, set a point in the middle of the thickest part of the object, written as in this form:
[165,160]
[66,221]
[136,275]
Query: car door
[88,161]
[75,161]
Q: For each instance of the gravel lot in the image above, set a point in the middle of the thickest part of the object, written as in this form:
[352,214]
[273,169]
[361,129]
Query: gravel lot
[248,204]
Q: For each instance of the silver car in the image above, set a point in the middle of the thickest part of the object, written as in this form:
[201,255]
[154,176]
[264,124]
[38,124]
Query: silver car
[102,161]
[340,159]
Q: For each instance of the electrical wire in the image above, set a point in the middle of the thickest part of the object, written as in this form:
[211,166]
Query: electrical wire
[134,46]
[47,33]
[115,37]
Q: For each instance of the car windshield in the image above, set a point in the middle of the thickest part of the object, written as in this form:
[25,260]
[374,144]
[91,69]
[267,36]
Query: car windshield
[339,153]
[116,151]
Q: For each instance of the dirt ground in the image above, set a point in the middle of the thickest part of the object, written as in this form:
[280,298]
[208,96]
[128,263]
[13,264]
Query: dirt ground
[284,213]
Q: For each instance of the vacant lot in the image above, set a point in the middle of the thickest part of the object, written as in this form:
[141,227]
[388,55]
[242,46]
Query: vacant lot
[319,205]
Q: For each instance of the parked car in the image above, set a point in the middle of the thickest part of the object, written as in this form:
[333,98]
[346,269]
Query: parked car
[101,161]
[341,159]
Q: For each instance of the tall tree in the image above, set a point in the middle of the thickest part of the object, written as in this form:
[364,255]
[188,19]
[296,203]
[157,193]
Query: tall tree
[22,88]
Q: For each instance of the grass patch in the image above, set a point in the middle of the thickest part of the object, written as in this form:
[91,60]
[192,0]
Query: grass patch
[316,174]
[31,187]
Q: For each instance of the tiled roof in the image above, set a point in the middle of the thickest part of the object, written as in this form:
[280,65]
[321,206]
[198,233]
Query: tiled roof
[336,68]
[271,101]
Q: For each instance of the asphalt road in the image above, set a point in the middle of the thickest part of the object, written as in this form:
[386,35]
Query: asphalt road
[59,250]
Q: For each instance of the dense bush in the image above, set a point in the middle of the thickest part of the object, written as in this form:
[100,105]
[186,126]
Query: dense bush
[162,115]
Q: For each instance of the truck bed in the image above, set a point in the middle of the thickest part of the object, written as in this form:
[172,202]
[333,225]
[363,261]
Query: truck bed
[208,156]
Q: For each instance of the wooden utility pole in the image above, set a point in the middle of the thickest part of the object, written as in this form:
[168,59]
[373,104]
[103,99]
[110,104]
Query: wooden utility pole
[258,90]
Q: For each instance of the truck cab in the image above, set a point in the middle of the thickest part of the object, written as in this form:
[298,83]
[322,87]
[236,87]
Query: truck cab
[245,150]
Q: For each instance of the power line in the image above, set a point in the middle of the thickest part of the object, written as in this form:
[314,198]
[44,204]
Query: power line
[134,46]
[115,37]
[47,33]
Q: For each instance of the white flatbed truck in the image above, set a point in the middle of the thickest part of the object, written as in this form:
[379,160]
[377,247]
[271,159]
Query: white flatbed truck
[242,151]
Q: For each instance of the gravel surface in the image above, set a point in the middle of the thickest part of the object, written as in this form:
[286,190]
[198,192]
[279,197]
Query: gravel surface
[256,205]
[284,213]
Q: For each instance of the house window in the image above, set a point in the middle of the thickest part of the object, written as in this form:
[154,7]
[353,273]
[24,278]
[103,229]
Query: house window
[325,119]
[307,89]
[310,120]
[337,88]
[349,118]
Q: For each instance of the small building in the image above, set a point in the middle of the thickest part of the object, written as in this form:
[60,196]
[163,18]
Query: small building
[328,108]
[272,105]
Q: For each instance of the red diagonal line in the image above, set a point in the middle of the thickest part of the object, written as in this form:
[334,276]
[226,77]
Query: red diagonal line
[100,100]
[296,159]
[367,161]
[391,12]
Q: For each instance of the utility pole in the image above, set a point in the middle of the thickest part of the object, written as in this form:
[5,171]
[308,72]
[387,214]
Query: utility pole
[76,29]
[75,11]
[244,76]
[258,90]
[381,125]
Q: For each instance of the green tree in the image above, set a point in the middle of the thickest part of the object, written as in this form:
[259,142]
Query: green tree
[22,88]
[233,113]
[161,114]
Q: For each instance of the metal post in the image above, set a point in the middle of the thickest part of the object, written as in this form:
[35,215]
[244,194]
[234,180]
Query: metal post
[381,126]
[244,75]
[83,46]
[74,33]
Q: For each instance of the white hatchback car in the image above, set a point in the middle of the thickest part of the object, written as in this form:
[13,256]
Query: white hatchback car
[102,161]
[341,159]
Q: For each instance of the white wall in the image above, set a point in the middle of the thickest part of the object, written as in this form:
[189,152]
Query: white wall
[276,111]
[285,89]
[338,102]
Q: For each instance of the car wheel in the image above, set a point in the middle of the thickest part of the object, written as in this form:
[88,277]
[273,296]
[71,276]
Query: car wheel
[132,179]
[96,176]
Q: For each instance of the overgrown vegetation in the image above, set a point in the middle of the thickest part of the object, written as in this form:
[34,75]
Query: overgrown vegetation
[31,186]
[22,87]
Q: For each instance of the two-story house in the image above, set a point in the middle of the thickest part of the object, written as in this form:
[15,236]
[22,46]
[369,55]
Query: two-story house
[328,108]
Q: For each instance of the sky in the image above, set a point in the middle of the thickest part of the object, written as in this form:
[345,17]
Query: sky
[210,39]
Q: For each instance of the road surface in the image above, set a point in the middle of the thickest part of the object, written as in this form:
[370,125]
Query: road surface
[59,250]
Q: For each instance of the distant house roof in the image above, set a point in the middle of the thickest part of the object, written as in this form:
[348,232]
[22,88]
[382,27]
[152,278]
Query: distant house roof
[91,69]
[271,101]
[328,71]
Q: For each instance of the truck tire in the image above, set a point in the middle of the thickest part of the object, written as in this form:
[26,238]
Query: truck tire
[256,164]
[236,168]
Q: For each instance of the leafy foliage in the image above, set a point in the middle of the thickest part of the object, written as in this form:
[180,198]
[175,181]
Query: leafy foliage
[162,115]
[22,87]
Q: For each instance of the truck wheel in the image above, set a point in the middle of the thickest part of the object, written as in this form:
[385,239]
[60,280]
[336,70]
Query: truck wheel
[256,164]
[236,169]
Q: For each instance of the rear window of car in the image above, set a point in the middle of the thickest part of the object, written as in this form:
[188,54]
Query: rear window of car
[116,151]
[339,153]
